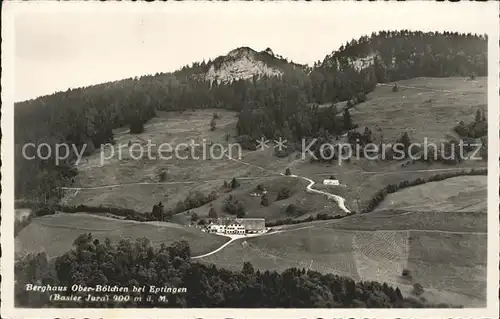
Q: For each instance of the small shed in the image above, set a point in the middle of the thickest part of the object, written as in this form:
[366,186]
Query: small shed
[331,182]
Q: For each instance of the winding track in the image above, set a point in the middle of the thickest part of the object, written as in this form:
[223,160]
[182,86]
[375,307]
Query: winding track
[233,238]
[340,200]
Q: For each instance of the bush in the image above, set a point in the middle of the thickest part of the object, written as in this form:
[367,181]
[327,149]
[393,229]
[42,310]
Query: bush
[418,289]
[195,199]
[322,216]
[461,129]
[361,97]
[234,206]
[162,176]
[294,210]
[136,127]
[264,200]
[406,273]
[281,153]
[240,214]
[289,221]
[212,213]
[194,217]
[246,142]
[44,210]
[284,193]
[89,149]
[235,183]
[157,211]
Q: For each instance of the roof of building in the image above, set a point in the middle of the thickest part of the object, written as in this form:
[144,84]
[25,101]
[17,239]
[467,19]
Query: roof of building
[234,224]
[249,223]
[253,223]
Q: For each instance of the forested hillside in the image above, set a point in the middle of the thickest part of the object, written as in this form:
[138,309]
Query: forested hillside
[270,105]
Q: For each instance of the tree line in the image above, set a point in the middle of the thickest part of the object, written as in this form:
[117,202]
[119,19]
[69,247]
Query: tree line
[93,262]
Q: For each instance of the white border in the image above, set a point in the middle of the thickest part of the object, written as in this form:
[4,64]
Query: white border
[490,18]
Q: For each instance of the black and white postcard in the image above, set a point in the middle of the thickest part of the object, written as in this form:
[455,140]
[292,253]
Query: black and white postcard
[250,159]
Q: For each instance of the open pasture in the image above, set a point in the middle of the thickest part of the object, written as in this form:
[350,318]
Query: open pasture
[324,251]
[305,203]
[426,108]
[451,262]
[122,164]
[182,175]
[140,197]
[423,107]
[463,193]
[135,183]
[177,127]
[364,178]
[55,234]
[423,221]
[443,263]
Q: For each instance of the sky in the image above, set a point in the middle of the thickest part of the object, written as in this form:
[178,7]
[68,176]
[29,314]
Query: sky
[78,44]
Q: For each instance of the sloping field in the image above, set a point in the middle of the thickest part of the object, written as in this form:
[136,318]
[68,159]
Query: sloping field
[426,108]
[423,107]
[463,193]
[124,164]
[134,183]
[55,234]
[306,203]
[451,262]
[140,197]
[381,256]
[315,249]
[364,178]
[425,221]
[450,266]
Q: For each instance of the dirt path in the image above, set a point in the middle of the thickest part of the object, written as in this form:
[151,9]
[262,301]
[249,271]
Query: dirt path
[340,200]
[414,87]
[233,238]
[425,89]
[281,231]
[237,237]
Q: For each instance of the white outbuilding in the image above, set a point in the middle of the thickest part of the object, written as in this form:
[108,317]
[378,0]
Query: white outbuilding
[331,182]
